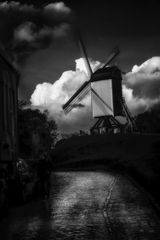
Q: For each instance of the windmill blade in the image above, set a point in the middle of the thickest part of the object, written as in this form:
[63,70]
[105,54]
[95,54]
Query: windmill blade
[85,87]
[84,52]
[77,97]
[111,56]
[77,103]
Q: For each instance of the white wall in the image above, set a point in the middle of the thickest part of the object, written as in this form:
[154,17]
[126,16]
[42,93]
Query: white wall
[102,98]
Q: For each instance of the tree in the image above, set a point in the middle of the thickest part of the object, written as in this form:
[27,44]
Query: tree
[37,134]
[149,121]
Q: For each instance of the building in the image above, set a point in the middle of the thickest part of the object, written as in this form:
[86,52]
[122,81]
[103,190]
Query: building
[9,79]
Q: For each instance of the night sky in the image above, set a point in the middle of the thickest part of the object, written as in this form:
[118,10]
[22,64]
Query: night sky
[132,25]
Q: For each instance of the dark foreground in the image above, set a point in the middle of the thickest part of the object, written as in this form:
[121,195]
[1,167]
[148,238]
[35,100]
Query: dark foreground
[85,205]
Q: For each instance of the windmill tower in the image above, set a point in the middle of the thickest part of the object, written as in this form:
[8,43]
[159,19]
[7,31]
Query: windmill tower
[107,101]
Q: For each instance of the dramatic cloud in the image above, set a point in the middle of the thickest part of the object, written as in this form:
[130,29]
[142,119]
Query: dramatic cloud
[28,32]
[140,90]
[53,96]
[81,65]
[142,86]
[27,28]
[59,7]
[25,32]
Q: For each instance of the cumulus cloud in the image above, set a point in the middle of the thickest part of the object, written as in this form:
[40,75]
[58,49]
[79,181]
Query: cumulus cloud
[5,6]
[28,32]
[81,65]
[140,90]
[59,7]
[25,32]
[53,96]
[137,105]
[142,86]
[26,28]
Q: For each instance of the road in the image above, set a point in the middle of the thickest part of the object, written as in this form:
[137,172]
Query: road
[85,205]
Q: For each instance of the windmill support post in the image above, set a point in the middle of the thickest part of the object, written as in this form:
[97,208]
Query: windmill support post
[109,124]
[130,120]
[106,124]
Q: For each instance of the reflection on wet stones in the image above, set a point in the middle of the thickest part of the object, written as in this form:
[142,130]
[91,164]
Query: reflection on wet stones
[85,205]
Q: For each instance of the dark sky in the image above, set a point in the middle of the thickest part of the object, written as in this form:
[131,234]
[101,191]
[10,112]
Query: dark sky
[132,25]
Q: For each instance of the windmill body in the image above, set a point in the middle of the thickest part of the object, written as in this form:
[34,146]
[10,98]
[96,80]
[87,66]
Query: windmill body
[106,97]
[106,92]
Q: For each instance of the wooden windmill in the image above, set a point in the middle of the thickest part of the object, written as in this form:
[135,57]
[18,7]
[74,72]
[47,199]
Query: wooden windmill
[107,101]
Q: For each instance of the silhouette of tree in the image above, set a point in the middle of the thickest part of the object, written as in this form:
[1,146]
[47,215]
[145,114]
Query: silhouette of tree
[149,121]
[37,134]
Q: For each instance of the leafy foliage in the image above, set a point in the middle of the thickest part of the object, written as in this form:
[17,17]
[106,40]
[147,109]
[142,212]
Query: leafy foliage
[37,134]
[149,122]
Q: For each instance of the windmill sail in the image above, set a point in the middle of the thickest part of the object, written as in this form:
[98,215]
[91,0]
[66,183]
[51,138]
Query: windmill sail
[77,97]
[86,86]
[111,56]
[84,53]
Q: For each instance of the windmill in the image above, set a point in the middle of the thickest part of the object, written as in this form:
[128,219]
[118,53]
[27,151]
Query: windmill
[107,101]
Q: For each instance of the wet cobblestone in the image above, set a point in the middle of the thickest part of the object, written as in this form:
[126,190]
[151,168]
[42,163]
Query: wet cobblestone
[84,205]
[131,214]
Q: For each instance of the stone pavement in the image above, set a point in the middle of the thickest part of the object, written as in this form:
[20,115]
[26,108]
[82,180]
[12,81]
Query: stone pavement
[85,205]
